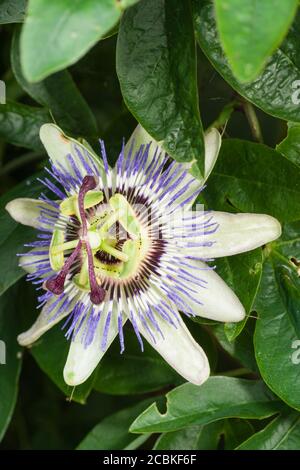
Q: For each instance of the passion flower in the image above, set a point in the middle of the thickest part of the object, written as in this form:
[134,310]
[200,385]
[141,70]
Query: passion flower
[124,244]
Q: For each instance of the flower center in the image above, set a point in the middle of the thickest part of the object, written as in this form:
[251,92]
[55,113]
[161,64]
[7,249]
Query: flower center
[109,245]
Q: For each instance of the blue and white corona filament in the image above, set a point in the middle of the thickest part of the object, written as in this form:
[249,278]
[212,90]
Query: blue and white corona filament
[123,244]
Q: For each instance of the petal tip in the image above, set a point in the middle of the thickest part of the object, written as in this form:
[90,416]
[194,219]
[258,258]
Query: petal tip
[275,228]
[73,377]
[24,339]
[202,374]
[16,209]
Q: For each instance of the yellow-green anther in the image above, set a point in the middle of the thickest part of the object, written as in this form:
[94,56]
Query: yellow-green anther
[120,255]
[56,259]
[126,215]
[69,206]
[110,220]
[60,248]
[132,249]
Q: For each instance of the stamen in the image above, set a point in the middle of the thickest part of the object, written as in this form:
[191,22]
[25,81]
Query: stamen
[64,246]
[97,292]
[114,252]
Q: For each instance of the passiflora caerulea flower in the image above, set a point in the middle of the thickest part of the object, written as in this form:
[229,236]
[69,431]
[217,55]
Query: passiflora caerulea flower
[124,244]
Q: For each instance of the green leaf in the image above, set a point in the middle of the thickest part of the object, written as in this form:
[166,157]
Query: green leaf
[275,337]
[50,352]
[10,355]
[156,65]
[289,288]
[217,398]
[20,124]
[58,33]
[112,432]
[12,11]
[59,94]
[289,243]
[248,36]
[133,371]
[235,431]
[290,146]
[192,438]
[254,178]
[283,433]
[242,273]
[241,348]
[14,235]
[273,91]
[206,437]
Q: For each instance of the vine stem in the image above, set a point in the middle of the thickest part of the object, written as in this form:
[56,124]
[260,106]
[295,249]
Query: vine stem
[236,372]
[252,120]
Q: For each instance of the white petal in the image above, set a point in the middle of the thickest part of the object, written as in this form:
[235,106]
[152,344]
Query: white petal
[26,211]
[59,146]
[180,350]
[43,323]
[82,361]
[216,300]
[141,137]
[237,233]
[212,141]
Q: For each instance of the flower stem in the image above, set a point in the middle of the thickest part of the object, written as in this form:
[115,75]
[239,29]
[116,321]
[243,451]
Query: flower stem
[236,372]
[252,120]
[221,122]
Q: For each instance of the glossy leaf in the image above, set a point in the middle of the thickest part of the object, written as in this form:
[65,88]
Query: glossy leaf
[13,235]
[219,397]
[240,348]
[290,146]
[156,68]
[20,124]
[112,433]
[255,37]
[275,338]
[242,273]
[289,243]
[283,433]
[191,438]
[10,355]
[206,437]
[12,11]
[60,95]
[254,178]
[289,288]
[235,431]
[57,33]
[273,90]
